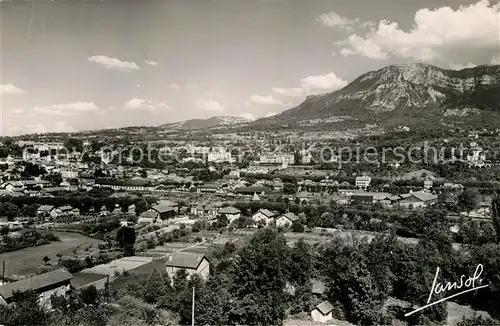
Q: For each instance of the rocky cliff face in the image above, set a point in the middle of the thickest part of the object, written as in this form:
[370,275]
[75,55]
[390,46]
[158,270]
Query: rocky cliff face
[399,88]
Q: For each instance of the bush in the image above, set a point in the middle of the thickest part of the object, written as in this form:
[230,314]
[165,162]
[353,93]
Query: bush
[72,265]
[297,227]
[89,295]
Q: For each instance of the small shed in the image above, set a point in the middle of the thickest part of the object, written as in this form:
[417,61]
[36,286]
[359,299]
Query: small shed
[322,312]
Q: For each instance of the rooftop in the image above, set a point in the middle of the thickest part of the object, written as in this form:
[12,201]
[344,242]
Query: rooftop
[229,210]
[185,260]
[291,216]
[325,307]
[38,282]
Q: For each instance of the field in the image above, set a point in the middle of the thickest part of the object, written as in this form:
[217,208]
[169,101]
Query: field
[119,265]
[26,261]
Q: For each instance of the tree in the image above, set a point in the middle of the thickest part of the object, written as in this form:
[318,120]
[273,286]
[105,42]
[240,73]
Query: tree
[89,295]
[32,170]
[110,204]
[141,206]
[155,288]
[301,263]
[495,214]
[126,238]
[86,204]
[54,178]
[25,311]
[297,227]
[46,259]
[4,230]
[478,321]
[10,210]
[29,210]
[352,283]
[74,145]
[214,302]
[259,280]
[289,188]
[468,199]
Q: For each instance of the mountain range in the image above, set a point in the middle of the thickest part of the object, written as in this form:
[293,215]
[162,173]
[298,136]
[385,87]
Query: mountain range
[196,124]
[410,94]
[405,94]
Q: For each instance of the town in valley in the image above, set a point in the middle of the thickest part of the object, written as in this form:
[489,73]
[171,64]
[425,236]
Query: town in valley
[329,203]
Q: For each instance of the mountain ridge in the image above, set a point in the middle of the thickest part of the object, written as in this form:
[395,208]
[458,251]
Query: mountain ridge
[194,124]
[395,91]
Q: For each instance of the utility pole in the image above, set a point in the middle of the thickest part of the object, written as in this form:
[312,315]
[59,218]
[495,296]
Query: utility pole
[192,311]
[106,287]
[3,272]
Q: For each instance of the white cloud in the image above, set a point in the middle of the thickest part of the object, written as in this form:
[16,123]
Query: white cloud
[18,111]
[461,66]
[38,128]
[113,63]
[365,46]
[12,130]
[147,105]
[496,59]
[334,20]
[174,86]
[9,89]
[268,100]
[151,63]
[193,87]
[437,35]
[368,24]
[270,114]
[310,85]
[209,105]
[248,116]
[62,126]
[70,109]
[328,82]
[290,92]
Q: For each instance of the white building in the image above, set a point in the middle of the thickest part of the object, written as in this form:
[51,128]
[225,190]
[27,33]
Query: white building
[323,312]
[231,213]
[192,263]
[273,158]
[305,157]
[286,220]
[45,285]
[363,182]
[42,147]
[219,155]
[68,173]
[428,184]
[263,216]
[477,157]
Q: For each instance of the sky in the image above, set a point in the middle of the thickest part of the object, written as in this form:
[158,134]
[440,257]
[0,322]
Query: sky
[72,65]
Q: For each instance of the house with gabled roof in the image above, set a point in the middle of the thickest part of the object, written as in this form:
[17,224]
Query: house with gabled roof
[286,220]
[264,216]
[192,263]
[230,212]
[13,186]
[418,199]
[322,312]
[46,211]
[165,209]
[45,285]
[148,217]
[318,288]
